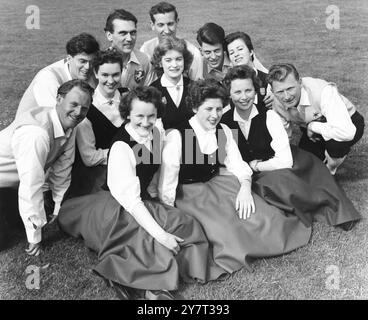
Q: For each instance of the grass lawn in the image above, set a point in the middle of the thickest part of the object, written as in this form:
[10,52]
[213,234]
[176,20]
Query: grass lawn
[281,30]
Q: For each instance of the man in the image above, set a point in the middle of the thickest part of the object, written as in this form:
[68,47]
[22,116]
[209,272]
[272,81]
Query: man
[36,141]
[164,21]
[216,63]
[329,122]
[81,51]
[121,31]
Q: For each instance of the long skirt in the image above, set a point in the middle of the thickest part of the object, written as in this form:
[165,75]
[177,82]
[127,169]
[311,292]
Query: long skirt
[127,254]
[268,232]
[307,190]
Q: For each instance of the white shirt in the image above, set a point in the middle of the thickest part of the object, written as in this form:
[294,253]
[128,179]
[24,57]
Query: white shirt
[280,140]
[196,68]
[27,167]
[122,179]
[172,157]
[339,126]
[86,139]
[175,90]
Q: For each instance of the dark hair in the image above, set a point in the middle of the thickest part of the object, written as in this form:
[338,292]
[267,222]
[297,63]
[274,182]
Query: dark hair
[119,14]
[242,72]
[69,85]
[162,7]
[146,94]
[278,72]
[167,44]
[211,33]
[239,35]
[82,43]
[107,56]
[201,90]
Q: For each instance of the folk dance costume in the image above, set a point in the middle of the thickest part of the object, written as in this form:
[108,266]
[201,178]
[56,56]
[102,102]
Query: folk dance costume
[127,253]
[93,139]
[197,188]
[174,97]
[293,180]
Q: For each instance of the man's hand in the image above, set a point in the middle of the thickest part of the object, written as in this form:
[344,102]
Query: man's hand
[34,249]
[268,100]
[312,135]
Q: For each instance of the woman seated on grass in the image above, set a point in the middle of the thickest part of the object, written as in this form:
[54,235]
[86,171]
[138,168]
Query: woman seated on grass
[239,224]
[141,243]
[94,134]
[303,186]
[240,50]
[171,59]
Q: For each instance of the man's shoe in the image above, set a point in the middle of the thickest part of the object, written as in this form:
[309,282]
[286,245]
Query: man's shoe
[158,295]
[347,226]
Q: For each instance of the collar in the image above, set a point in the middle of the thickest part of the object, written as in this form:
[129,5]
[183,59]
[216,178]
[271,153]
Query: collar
[165,82]
[58,128]
[66,69]
[133,58]
[136,136]
[198,129]
[304,99]
[99,99]
[225,66]
[254,112]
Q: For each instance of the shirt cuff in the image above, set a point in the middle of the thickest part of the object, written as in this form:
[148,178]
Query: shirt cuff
[56,208]
[33,235]
[105,152]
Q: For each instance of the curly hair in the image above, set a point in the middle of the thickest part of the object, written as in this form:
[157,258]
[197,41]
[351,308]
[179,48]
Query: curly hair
[167,44]
[107,56]
[242,72]
[201,90]
[82,43]
[146,94]
[239,35]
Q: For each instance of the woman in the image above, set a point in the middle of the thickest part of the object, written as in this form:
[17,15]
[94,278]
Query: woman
[291,179]
[141,243]
[94,134]
[171,59]
[240,50]
[239,224]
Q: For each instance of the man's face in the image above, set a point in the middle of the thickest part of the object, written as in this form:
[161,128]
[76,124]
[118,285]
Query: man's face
[72,108]
[124,36]
[165,24]
[288,91]
[213,54]
[80,66]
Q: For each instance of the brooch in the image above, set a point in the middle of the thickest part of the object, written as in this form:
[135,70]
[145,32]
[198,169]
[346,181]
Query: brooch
[138,75]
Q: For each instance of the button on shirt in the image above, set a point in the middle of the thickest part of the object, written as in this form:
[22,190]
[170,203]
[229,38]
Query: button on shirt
[85,136]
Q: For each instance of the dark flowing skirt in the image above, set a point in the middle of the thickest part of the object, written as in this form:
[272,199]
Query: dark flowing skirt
[128,254]
[307,190]
[268,232]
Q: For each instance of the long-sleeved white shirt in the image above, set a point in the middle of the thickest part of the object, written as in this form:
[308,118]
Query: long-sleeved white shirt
[26,166]
[85,137]
[280,141]
[207,141]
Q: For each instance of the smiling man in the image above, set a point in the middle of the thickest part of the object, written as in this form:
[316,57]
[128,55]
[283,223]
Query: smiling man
[81,51]
[164,21]
[34,143]
[121,31]
[329,122]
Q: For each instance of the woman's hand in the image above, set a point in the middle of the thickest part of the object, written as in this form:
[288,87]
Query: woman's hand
[170,241]
[244,201]
[253,165]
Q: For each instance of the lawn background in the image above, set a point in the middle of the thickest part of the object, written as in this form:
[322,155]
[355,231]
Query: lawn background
[282,31]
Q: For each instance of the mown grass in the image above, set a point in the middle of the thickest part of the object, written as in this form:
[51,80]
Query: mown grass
[281,30]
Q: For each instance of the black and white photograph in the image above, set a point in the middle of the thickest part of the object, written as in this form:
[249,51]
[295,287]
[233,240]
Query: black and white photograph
[183,150]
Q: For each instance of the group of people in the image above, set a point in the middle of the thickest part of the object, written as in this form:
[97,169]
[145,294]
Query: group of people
[174,162]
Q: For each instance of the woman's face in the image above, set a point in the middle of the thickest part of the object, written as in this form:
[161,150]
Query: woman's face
[209,113]
[142,117]
[108,76]
[239,53]
[173,64]
[242,93]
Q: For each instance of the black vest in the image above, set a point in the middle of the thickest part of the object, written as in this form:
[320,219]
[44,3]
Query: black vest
[173,115]
[196,166]
[146,169]
[258,145]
